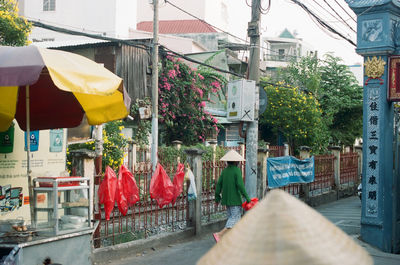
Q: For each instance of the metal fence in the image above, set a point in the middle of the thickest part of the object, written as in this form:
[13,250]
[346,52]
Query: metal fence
[324,169]
[145,218]
[276,150]
[349,169]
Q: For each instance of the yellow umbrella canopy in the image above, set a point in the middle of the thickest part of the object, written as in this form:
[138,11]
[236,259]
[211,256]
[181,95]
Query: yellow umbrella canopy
[282,230]
[60,87]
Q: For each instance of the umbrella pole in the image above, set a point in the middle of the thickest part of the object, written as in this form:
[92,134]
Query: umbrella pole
[28,158]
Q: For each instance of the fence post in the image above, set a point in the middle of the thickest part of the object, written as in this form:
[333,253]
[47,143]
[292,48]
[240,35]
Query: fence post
[305,187]
[358,150]
[196,164]
[285,149]
[262,171]
[336,152]
[177,144]
[242,151]
[214,149]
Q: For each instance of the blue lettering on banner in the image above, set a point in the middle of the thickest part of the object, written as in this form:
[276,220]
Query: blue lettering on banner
[284,170]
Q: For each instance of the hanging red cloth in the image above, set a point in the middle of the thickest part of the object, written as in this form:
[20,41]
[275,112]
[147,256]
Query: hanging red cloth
[107,190]
[122,202]
[130,188]
[161,187]
[178,181]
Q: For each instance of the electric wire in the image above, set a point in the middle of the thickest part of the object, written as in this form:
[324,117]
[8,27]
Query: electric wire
[345,10]
[339,16]
[323,23]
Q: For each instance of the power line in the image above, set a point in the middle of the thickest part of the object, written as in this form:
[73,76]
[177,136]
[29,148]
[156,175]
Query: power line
[345,11]
[126,42]
[323,23]
[339,16]
[205,22]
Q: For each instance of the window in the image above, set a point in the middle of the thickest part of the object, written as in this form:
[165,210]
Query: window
[281,54]
[49,5]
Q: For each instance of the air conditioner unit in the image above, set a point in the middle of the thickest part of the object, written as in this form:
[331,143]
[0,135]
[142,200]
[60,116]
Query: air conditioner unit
[241,100]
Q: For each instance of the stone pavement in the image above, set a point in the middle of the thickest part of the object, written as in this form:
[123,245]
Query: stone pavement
[344,213]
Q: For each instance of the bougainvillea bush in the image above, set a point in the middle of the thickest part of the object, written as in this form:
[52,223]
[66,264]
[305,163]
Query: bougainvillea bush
[183,92]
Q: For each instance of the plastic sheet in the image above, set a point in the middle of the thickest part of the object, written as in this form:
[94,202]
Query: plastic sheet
[178,181]
[161,187]
[248,205]
[130,188]
[107,191]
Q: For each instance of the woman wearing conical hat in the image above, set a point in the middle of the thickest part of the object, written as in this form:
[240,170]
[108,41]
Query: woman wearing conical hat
[230,185]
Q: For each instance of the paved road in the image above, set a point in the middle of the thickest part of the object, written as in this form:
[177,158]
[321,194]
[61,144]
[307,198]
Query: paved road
[344,213]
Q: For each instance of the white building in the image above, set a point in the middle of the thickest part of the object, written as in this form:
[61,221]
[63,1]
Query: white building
[279,51]
[104,17]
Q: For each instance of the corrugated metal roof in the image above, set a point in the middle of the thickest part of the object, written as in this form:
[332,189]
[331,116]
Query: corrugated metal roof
[68,43]
[177,26]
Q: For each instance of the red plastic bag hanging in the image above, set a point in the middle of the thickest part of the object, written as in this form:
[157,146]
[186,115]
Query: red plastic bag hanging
[161,188]
[122,202]
[178,181]
[130,188]
[248,205]
[107,191]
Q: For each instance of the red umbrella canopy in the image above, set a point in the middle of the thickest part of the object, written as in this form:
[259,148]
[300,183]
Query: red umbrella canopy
[62,87]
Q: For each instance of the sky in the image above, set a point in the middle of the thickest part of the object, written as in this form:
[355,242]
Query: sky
[284,14]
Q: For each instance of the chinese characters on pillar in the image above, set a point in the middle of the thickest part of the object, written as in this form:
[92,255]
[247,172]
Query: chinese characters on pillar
[372,158]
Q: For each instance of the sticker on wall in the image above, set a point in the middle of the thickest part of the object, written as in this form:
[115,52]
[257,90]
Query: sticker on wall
[7,140]
[56,140]
[10,198]
[34,141]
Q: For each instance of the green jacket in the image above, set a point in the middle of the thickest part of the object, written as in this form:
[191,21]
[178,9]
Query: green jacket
[230,183]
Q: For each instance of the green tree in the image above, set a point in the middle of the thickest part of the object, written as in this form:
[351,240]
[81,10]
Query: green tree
[295,114]
[14,29]
[335,88]
[341,100]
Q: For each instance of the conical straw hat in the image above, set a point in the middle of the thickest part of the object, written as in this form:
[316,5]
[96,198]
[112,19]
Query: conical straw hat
[282,230]
[232,155]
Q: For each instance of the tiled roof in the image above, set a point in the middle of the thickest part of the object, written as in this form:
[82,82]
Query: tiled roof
[177,26]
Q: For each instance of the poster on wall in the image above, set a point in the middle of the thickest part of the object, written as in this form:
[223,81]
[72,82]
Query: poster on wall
[34,141]
[10,198]
[56,140]
[7,140]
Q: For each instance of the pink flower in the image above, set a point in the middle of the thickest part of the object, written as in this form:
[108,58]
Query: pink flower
[199,91]
[203,118]
[202,104]
[167,86]
[171,73]
[200,76]
[216,84]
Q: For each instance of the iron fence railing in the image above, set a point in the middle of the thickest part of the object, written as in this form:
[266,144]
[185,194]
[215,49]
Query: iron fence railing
[145,218]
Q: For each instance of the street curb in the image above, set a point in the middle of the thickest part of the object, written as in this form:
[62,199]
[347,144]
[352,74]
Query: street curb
[107,254]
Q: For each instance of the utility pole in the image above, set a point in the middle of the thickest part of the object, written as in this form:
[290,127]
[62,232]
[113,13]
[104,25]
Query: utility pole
[154,90]
[253,32]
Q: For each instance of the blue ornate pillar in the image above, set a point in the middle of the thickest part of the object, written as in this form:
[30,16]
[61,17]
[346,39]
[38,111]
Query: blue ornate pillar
[376,41]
